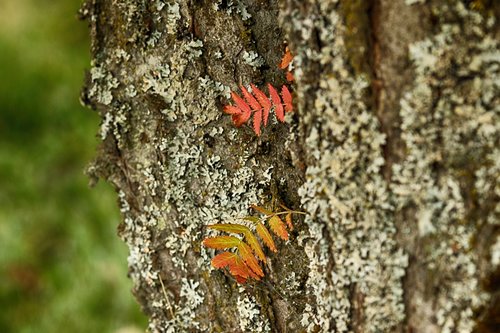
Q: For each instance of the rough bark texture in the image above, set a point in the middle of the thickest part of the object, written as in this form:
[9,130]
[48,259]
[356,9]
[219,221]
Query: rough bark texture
[393,152]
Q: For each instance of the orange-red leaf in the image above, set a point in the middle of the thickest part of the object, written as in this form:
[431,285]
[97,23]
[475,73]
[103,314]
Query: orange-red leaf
[257,120]
[240,119]
[265,236]
[287,58]
[231,109]
[221,242]
[278,107]
[289,76]
[263,100]
[235,264]
[249,236]
[240,102]
[288,220]
[250,99]
[238,268]
[223,259]
[278,227]
[287,98]
[241,266]
[240,280]
[247,256]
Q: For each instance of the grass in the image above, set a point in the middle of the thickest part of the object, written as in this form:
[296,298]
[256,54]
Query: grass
[62,267]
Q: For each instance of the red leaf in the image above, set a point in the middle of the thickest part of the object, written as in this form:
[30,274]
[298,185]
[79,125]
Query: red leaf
[278,227]
[223,259]
[231,109]
[257,119]
[241,269]
[245,108]
[280,114]
[250,99]
[263,100]
[287,98]
[247,256]
[289,76]
[287,58]
[240,279]
[240,119]
[238,268]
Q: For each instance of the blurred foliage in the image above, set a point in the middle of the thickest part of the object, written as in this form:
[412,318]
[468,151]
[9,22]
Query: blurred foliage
[62,267]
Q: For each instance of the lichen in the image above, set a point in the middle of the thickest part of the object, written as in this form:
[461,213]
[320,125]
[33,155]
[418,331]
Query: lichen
[180,183]
[249,315]
[253,59]
[344,193]
[450,122]
[179,166]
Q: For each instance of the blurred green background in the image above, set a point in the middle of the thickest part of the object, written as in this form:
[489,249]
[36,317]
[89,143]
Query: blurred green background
[62,267]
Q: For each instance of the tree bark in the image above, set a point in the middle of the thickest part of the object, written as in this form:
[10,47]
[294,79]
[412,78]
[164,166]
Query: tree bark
[393,153]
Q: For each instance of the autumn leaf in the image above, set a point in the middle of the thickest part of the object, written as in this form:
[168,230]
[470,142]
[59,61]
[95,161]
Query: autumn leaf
[278,227]
[221,242]
[264,101]
[235,264]
[262,230]
[240,119]
[250,99]
[243,264]
[287,98]
[249,237]
[287,58]
[240,102]
[258,105]
[231,109]
[278,107]
[234,228]
[265,236]
[247,256]
[240,279]
[257,119]
[223,259]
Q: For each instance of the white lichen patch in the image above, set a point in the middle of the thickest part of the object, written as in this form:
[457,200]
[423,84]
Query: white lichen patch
[139,259]
[249,315]
[237,6]
[102,85]
[173,17]
[253,59]
[184,318]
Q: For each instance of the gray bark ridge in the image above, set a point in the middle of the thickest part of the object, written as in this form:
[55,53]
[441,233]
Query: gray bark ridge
[398,174]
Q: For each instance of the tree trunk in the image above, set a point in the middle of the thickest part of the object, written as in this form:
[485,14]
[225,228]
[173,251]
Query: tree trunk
[393,153]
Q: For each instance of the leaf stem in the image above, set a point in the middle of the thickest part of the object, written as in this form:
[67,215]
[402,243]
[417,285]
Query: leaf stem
[290,211]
